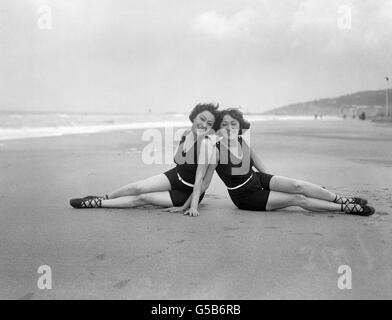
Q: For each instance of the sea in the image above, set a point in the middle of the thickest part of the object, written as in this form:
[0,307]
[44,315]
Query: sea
[25,125]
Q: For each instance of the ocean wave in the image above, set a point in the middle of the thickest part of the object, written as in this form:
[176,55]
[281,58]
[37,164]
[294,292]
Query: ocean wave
[39,132]
[71,125]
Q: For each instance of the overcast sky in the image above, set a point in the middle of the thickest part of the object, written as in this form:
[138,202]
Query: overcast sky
[167,55]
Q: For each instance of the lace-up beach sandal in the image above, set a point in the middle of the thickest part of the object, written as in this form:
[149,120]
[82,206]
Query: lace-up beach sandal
[354,200]
[105,197]
[357,209]
[87,202]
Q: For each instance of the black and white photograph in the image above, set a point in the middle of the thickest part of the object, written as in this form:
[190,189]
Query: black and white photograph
[197,150]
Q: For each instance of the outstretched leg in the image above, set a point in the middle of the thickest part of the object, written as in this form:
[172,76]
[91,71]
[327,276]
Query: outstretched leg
[161,199]
[280,200]
[153,184]
[288,185]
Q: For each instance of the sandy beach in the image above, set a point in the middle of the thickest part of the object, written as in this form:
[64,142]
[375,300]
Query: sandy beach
[225,253]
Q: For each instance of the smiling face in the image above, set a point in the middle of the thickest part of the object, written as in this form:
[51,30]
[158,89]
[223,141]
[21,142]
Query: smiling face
[203,122]
[230,127]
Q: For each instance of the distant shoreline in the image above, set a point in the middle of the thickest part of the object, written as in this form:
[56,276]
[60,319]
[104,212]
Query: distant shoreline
[381,119]
[16,128]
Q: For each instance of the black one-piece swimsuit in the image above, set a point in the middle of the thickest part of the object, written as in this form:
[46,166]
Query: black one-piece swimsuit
[248,189]
[182,176]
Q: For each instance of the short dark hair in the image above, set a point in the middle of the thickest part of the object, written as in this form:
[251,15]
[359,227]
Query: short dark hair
[213,108]
[236,114]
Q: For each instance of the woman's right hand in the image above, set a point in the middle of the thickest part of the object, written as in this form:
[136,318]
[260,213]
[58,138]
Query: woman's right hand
[174,209]
[192,212]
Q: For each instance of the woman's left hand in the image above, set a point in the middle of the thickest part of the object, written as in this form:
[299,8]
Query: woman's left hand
[192,212]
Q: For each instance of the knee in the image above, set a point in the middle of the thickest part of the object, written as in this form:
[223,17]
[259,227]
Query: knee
[144,198]
[135,188]
[300,200]
[298,186]
[139,199]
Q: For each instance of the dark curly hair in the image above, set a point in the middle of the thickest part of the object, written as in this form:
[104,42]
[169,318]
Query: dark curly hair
[203,107]
[236,114]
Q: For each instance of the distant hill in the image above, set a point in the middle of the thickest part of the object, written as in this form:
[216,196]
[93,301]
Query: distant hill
[371,102]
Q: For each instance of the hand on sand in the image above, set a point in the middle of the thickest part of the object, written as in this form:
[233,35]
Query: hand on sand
[192,212]
[174,209]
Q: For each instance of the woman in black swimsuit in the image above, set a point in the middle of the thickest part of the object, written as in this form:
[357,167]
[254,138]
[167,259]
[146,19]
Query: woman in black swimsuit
[175,186]
[259,191]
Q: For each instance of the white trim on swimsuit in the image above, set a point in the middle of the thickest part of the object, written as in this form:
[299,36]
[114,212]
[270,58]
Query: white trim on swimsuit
[242,184]
[184,182]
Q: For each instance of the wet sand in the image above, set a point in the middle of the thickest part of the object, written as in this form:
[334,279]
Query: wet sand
[225,253]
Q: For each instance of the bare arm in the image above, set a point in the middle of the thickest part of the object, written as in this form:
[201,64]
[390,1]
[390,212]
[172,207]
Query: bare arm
[208,161]
[204,186]
[258,164]
[208,177]
[206,157]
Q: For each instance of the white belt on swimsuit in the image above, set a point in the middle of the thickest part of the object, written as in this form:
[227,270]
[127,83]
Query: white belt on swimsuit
[242,184]
[184,182]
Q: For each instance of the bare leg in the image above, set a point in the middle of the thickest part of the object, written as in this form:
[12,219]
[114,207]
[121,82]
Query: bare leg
[153,184]
[161,199]
[287,185]
[280,200]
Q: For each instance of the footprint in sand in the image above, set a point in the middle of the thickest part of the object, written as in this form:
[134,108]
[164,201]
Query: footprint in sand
[27,296]
[272,227]
[308,214]
[179,241]
[213,196]
[229,236]
[121,284]
[229,228]
[100,257]
[93,263]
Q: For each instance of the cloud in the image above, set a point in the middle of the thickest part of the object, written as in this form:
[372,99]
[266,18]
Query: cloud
[310,14]
[313,26]
[342,27]
[251,52]
[220,26]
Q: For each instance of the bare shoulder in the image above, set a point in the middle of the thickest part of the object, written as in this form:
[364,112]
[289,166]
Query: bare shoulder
[186,132]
